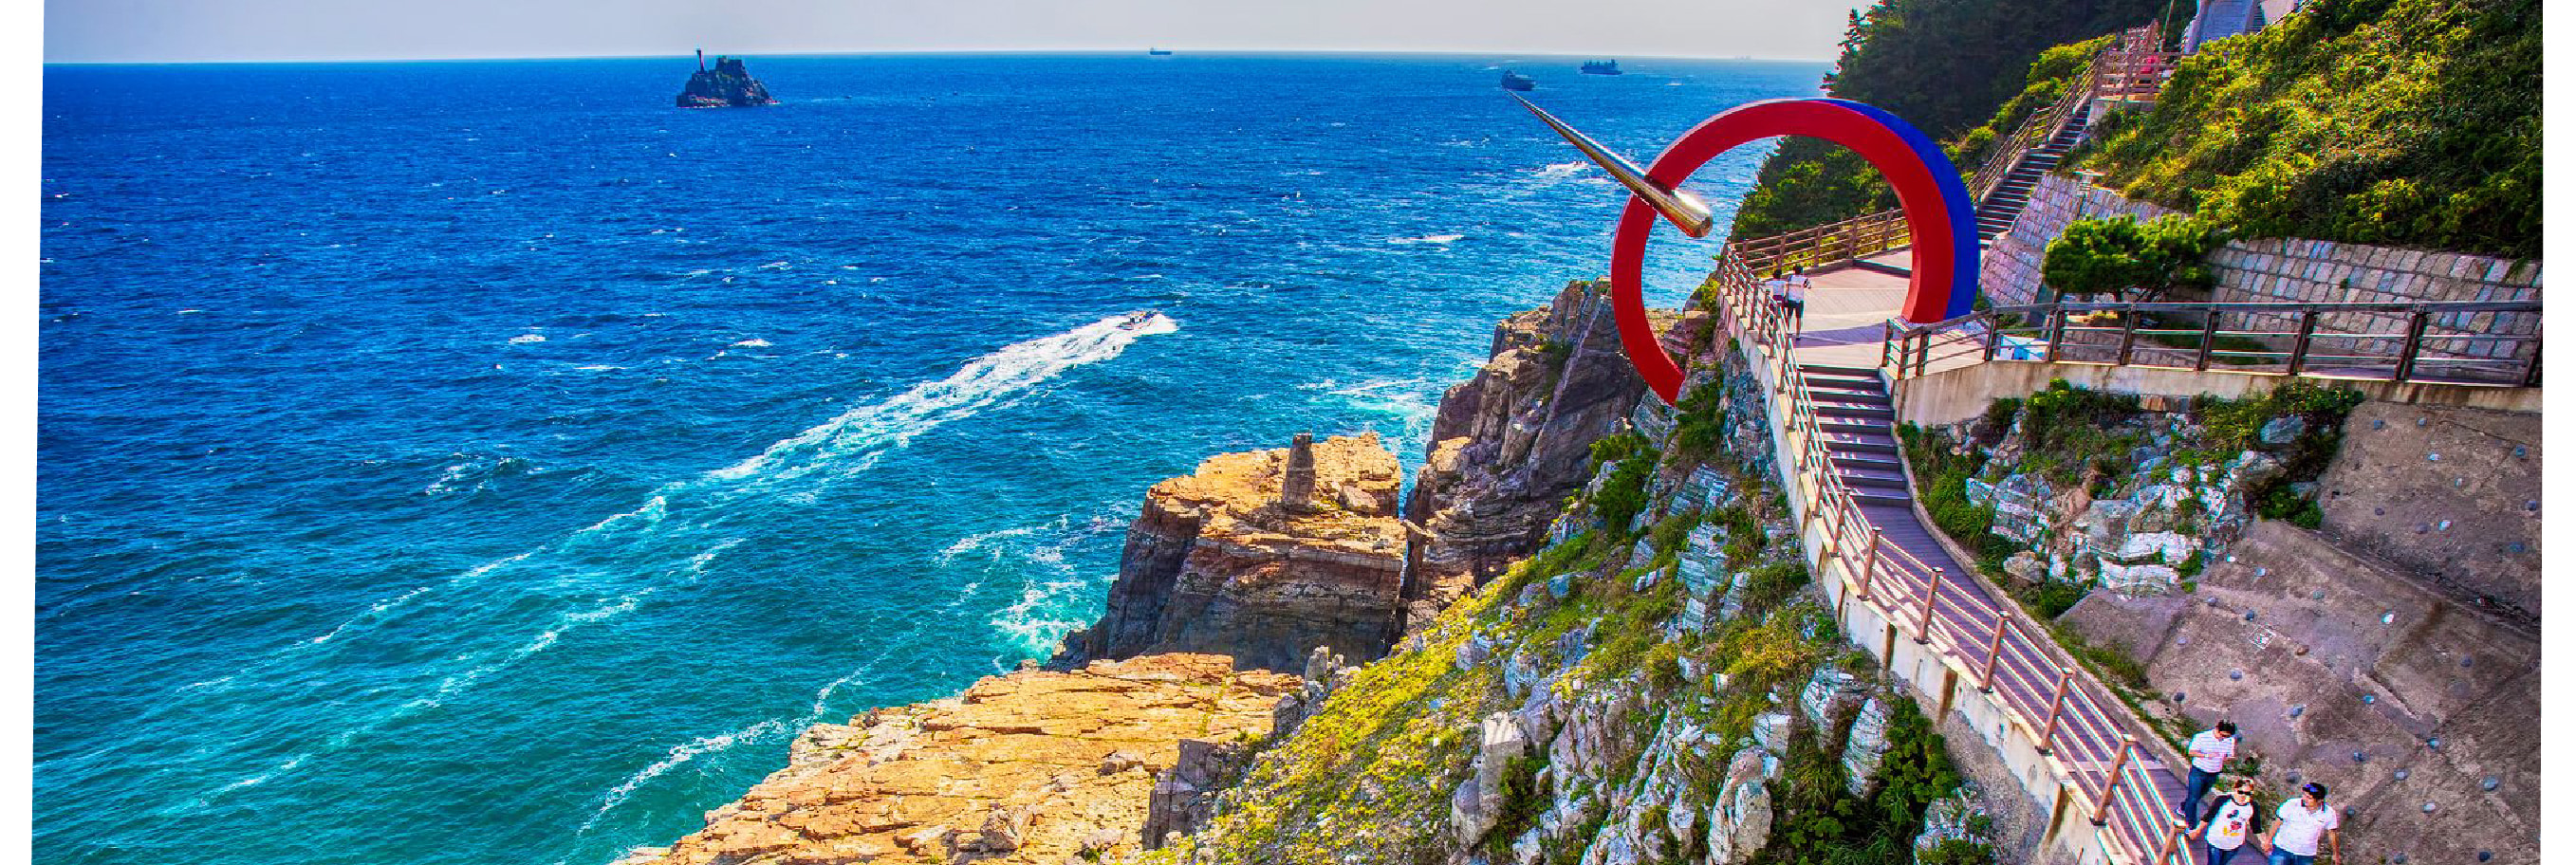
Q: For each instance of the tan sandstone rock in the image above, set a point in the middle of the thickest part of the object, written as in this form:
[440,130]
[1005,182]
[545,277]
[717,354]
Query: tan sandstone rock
[1219,563]
[1031,767]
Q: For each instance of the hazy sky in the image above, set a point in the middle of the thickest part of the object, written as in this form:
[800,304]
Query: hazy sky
[83,31]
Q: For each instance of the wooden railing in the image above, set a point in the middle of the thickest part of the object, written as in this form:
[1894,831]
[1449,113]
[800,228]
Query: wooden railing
[2087,736]
[1840,242]
[2134,65]
[2037,130]
[2127,68]
[2455,343]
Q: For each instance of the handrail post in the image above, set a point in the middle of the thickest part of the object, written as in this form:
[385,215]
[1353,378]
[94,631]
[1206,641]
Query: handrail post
[1931,593]
[2299,347]
[1886,341]
[1835,523]
[2531,371]
[2128,334]
[2102,803]
[2414,345]
[1922,346]
[2048,732]
[1994,653]
[1869,560]
[1994,334]
[2056,331]
[2208,337]
[2173,840]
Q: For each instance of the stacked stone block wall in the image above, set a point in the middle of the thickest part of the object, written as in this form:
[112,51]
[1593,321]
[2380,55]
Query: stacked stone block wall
[2294,270]
[2290,270]
[2009,275]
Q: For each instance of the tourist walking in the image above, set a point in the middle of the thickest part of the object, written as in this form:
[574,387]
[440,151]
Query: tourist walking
[1790,292]
[2209,751]
[2301,822]
[2228,822]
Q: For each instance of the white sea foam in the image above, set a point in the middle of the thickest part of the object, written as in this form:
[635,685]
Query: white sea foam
[681,754]
[868,430]
[974,542]
[526,338]
[1563,169]
[1428,238]
[754,342]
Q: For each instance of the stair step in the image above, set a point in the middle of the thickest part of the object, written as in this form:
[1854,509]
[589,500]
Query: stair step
[1872,477]
[1876,495]
[1878,415]
[1868,372]
[1851,426]
[1836,389]
[1874,462]
[1869,399]
[1827,382]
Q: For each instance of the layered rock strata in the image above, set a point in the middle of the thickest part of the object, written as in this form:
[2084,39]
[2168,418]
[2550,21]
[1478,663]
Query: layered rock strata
[1031,767]
[1510,444]
[1219,563]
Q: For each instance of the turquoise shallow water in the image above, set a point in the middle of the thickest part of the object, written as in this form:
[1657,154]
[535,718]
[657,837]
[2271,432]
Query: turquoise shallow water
[484,462]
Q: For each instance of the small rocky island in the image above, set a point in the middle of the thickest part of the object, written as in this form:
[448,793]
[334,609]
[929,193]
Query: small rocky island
[726,86]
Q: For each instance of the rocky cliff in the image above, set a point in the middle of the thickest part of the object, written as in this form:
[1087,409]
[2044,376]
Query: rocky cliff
[1656,685]
[1511,443]
[1030,767]
[1262,556]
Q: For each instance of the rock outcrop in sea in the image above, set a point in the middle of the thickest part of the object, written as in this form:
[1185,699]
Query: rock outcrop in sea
[726,86]
[1263,556]
[1031,767]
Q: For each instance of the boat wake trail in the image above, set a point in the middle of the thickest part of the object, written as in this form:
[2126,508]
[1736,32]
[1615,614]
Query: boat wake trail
[521,605]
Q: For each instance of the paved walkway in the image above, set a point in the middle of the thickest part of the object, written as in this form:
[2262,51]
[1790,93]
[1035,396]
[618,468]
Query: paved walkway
[1837,353]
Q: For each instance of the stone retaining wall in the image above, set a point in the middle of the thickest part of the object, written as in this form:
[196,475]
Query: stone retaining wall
[2295,270]
[2009,272]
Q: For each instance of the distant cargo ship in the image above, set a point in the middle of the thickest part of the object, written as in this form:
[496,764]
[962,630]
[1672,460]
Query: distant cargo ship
[1601,67]
[1158,52]
[726,86]
[1516,81]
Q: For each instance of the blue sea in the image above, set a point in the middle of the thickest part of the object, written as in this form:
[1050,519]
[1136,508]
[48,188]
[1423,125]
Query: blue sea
[486,462]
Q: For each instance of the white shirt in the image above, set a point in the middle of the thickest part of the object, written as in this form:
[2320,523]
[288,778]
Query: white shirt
[2227,830]
[2300,827]
[2209,753]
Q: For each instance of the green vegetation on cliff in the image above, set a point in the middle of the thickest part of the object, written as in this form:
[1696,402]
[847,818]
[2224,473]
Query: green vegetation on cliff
[2400,122]
[1946,66]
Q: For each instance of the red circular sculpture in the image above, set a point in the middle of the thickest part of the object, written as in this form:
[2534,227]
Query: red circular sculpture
[1936,214]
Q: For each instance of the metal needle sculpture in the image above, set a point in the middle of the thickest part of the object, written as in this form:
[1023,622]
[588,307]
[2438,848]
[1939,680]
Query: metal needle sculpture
[1938,211]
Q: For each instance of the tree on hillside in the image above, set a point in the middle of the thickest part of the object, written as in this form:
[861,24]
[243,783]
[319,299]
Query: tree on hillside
[1944,66]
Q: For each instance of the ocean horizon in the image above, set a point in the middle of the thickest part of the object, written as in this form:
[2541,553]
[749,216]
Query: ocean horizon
[485,461]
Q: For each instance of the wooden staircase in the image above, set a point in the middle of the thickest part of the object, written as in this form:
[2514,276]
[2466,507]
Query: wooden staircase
[1858,421]
[1996,213]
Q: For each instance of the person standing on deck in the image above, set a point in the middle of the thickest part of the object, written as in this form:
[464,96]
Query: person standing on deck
[2209,753]
[2294,836]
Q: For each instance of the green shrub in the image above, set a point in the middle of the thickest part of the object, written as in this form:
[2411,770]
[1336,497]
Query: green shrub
[2399,122]
[2132,261]
[2049,599]
[1957,851]
[1623,496]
